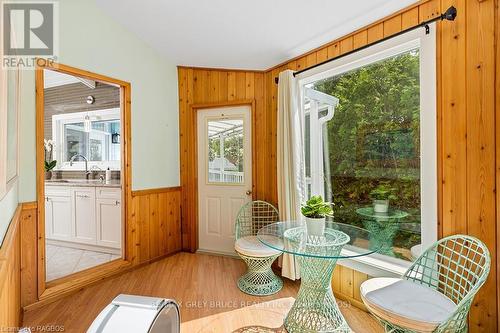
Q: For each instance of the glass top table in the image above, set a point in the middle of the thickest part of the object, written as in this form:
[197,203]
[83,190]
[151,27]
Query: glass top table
[315,308]
[291,237]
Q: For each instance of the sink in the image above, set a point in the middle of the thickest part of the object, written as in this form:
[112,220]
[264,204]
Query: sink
[87,181]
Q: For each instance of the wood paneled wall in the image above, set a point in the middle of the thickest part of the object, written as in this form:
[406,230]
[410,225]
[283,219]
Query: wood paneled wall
[467,155]
[10,279]
[154,229]
[29,258]
[346,283]
[206,86]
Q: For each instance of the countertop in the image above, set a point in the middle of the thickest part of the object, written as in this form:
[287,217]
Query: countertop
[84,182]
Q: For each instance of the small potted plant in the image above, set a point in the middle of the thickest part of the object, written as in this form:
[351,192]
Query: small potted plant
[381,196]
[315,210]
[50,164]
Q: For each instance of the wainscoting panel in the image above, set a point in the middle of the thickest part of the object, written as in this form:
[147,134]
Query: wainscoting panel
[29,273]
[10,279]
[154,229]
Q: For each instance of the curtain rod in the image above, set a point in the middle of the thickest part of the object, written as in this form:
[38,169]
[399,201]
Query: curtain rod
[449,15]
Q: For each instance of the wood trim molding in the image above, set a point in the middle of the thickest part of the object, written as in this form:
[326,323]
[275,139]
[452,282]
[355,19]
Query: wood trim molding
[29,205]
[224,69]
[125,100]
[155,191]
[44,64]
[214,105]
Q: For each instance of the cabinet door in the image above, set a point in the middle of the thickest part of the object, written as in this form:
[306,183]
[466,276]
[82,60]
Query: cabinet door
[84,224]
[58,218]
[109,222]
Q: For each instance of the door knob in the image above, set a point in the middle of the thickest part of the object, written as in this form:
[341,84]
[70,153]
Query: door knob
[249,192]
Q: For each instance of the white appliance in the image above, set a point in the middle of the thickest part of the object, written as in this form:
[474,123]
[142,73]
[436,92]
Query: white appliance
[138,314]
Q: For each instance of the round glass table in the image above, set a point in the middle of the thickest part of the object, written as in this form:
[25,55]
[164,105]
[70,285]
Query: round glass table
[315,308]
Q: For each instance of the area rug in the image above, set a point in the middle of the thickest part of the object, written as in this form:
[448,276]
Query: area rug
[264,317]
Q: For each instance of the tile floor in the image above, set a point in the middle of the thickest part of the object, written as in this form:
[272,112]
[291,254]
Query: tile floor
[62,261]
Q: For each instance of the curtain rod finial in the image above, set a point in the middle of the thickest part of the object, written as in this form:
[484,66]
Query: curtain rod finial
[450,14]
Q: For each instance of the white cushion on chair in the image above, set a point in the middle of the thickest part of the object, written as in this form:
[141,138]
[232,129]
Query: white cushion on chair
[251,246]
[406,304]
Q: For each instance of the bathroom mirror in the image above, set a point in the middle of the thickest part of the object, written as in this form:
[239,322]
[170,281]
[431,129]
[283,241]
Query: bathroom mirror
[83,200]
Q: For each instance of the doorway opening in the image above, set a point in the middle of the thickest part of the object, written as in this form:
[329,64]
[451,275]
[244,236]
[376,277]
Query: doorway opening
[82,174]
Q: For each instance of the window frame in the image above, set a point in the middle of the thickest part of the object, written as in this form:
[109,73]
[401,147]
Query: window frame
[58,123]
[376,264]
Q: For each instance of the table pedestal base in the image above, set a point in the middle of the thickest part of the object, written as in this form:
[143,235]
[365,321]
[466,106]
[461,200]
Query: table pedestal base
[315,309]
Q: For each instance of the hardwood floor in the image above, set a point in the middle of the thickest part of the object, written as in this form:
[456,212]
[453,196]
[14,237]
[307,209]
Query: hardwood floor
[203,285]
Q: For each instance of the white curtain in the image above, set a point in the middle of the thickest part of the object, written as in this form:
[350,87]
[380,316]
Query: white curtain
[291,165]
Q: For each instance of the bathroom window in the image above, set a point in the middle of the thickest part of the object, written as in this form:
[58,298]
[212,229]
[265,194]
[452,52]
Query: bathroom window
[99,142]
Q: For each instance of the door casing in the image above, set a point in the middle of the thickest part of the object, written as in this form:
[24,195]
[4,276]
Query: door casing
[192,223]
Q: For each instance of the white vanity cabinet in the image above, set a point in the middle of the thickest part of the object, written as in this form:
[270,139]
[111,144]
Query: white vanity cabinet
[86,215]
[58,213]
[84,219]
[108,213]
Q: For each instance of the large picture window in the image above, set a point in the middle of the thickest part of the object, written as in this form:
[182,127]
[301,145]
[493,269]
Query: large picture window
[366,149]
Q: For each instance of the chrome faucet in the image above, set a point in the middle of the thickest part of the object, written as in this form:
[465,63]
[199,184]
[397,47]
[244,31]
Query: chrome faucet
[74,157]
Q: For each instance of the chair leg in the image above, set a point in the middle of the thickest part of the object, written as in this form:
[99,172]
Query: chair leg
[259,279]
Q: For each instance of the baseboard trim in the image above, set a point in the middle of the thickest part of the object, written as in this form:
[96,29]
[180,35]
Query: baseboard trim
[216,253]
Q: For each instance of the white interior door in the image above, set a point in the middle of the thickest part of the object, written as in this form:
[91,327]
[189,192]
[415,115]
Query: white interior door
[224,174]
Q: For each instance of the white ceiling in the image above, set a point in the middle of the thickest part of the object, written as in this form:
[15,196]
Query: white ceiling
[243,34]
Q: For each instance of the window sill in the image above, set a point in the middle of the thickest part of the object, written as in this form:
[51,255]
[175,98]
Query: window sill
[375,265]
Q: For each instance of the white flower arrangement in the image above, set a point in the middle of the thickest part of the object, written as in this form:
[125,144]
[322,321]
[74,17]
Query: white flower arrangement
[49,148]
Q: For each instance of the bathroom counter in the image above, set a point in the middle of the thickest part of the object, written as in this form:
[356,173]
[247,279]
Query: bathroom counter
[116,183]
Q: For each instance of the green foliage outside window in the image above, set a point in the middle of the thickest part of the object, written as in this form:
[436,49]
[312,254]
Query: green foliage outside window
[374,140]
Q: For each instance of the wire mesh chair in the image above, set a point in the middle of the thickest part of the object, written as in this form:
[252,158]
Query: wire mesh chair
[259,279]
[455,266]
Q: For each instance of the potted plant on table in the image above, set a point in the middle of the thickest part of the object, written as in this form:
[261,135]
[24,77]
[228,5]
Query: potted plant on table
[381,196]
[315,210]
[50,164]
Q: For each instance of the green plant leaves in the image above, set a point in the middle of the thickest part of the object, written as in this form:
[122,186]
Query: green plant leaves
[315,207]
[50,165]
